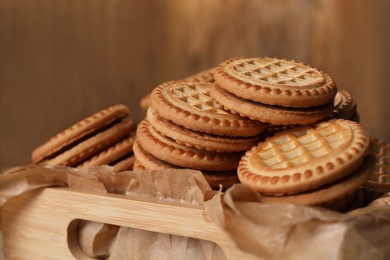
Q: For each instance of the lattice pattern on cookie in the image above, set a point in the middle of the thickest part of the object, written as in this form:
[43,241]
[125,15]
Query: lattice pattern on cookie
[190,105]
[381,174]
[198,96]
[279,72]
[299,147]
[305,158]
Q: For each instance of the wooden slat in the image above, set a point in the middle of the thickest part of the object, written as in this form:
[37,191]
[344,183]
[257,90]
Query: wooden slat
[38,224]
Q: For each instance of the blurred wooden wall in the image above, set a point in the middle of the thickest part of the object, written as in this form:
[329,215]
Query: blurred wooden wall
[62,60]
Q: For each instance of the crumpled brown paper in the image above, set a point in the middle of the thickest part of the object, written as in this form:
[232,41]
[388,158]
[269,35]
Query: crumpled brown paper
[104,241]
[270,231]
[289,231]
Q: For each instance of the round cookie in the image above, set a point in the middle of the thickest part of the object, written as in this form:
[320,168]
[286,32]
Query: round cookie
[138,166]
[199,140]
[149,162]
[275,82]
[203,76]
[189,104]
[304,158]
[344,106]
[94,144]
[112,154]
[125,164]
[145,102]
[380,178]
[79,130]
[166,149]
[330,193]
[275,115]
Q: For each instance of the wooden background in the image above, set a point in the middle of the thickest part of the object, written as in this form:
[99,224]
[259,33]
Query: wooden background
[62,60]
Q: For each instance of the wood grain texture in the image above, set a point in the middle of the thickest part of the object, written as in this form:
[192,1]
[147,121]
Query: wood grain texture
[42,224]
[61,61]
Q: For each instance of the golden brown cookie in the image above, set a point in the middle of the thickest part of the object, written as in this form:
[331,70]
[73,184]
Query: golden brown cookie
[138,166]
[344,106]
[166,149]
[304,158]
[203,76]
[149,162]
[380,178]
[189,104]
[145,102]
[276,115]
[331,192]
[111,155]
[348,202]
[126,164]
[199,140]
[275,82]
[94,144]
[80,130]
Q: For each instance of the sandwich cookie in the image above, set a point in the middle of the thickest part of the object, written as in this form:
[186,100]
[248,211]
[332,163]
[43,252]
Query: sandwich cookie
[199,140]
[79,130]
[120,155]
[126,164]
[166,149]
[344,106]
[87,138]
[340,190]
[204,76]
[189,104]
[274,91]
[379,181]
[138,166]
[147,161]
[304,158]
[145,102]
[276,115]
[275,82]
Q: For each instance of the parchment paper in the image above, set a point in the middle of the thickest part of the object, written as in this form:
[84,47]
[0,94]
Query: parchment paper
[104,241]
[270,231]
[289,231]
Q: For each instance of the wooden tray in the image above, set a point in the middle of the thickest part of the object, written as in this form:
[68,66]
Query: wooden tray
[42,224]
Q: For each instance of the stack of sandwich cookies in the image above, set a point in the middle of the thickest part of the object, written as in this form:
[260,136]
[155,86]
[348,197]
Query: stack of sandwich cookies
[215,178]
[185,128]
[103,138]
[189,104]
[166,149]
[274,91]
[200,140]
[311,165]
